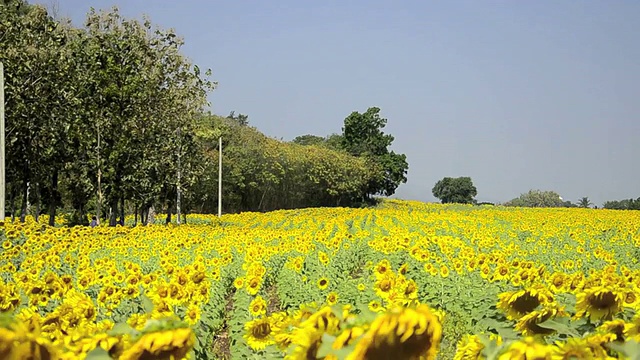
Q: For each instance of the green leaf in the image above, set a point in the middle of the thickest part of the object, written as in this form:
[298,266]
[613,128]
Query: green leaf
[122,329]
[559,327]
[98,354]
[630,349]
[147,304]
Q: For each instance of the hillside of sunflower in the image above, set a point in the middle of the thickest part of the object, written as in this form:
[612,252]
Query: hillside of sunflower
[405,280]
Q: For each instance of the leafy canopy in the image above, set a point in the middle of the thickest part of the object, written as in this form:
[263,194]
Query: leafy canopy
[455,190]
[362,136]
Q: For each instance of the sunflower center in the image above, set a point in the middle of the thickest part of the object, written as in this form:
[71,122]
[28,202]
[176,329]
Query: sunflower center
[630,298]
[261,331]
[603,301]
[526,303]
[558,281]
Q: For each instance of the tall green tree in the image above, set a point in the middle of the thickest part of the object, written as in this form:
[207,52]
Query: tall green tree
[145,96]
[362,136]
[584,202]
[41,96]
[458,190]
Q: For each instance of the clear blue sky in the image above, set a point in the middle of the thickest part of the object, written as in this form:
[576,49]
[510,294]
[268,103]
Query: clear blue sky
[518,95]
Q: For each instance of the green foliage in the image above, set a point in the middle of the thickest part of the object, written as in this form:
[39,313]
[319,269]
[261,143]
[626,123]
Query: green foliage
[110,116]
[627,204]
[455,190]
[537,198]
[584,202]
[362,136]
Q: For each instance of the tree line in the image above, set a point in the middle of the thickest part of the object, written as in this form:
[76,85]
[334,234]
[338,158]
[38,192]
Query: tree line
[461,190]
[110,118]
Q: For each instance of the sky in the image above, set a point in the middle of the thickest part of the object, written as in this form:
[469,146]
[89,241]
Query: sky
[518,95]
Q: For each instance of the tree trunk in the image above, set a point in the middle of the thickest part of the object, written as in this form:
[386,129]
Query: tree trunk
[151,215]
[13,204]
[143,214]
[25,200]
[168,220]
[54,198]
[99,205]
[113,213]
[122,210]
[37,212]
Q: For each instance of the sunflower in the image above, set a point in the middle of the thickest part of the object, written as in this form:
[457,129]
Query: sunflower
[573,348]
[254,285]
[6,343]
[384,284]
[631,298]
[599,303]
[403,333]
[469,348]
[323,257]
[361,287]
[347,337]
[332,298]
[404,269]
[259,333]
[324,320]
[193,314]
[323,283]
[597,344]
[258,306]
[528,324]
[283,340]
[444,271]
[383,267]
[558,282]
[173,343]
[307,342]
[374,305]
[632,328]
[521,302]
[31,346]
[528,349]
[615,327]
[501,272]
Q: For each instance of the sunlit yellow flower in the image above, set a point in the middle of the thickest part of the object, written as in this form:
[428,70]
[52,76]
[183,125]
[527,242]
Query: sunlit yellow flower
[401,334]
[572,348]
[332,298]
[258,333]
[323,283]
[526,349]
[258,306]
[173,343]
[599,303]
[521,302]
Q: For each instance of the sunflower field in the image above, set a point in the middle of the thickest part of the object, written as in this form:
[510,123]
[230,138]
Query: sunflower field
[404,280]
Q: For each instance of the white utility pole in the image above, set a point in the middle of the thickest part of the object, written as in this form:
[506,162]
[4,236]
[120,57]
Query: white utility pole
[2,176]
[220,176]
[179,179]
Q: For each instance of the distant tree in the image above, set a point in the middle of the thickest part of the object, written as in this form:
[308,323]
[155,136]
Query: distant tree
[241,119]
[584,202]
[537,198]
[455,190]
[334,141]
[627,204]
[309,140]
[362,136]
